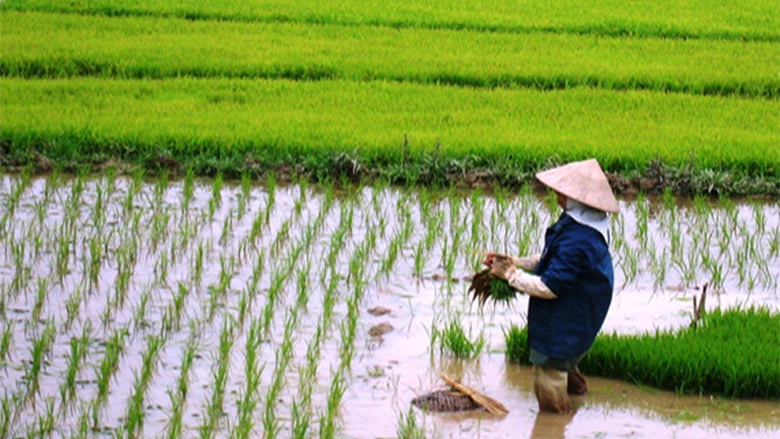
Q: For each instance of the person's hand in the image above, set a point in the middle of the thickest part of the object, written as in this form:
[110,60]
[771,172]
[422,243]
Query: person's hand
[502,267]
[491,257]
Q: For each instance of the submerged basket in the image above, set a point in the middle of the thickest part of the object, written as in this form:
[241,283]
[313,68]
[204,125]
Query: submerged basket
[445,401]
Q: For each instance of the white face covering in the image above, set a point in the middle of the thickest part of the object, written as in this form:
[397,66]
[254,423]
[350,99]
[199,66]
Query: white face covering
[588,216]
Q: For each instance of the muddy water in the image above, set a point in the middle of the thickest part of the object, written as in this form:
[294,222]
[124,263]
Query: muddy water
[129,251]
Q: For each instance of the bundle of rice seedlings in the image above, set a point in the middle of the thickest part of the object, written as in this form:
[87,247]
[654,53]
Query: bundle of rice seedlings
[485,286]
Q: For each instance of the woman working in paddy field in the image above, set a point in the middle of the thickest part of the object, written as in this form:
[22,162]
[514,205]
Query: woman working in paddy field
[572,282]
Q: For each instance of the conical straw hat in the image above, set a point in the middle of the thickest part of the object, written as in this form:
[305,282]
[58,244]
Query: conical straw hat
[581,181]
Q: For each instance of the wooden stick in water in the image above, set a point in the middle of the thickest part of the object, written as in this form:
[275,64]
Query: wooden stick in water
[490,404]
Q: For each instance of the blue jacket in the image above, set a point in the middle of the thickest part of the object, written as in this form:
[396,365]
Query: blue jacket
[577,267]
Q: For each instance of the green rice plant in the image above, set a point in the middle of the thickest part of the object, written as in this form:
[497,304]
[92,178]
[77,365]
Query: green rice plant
[252,375]
[139,314]
[173,313]
[454,340]
[12,201]
[174,427]
[178,395]
[419,259]
[79,347]
[40,297]
[281,236]
[408,427]
[270,187]
[160,187]
[73,305]
[774,242]
[95,259]
[215,405]
[188,189]
[128,203]
[391,255]
[134,418]
[516,340]
[159,227]
[329,298]
[98,210]
[161,269]
[106,369]
[246,190]
[731,353]
[301,411]
[5,342]
[6,415]
[197,270]
[477,202]
[44,424]
[83,427]
[216,188]
[284,353]
[21,269]
[52,183]
[642,219]
[39,349]
[335,393]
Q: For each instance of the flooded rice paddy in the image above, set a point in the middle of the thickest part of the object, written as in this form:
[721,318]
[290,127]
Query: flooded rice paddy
[203,308]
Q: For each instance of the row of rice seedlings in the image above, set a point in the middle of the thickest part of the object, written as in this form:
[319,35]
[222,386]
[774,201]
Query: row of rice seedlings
[249,293]
[13,198]
[218,292]
[433,229]
[178,394]
[397,243]
[6,338]
[40,349]
[21,275]
[301,408]
[699,240]
[105,370]
[346,352]
[213,414]
[348,328]
[247,401]
[281,274]
[283,356]
[136,409]
[79,348]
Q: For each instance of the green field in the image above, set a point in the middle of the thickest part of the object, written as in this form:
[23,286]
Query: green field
[753,20]
[162,48]
[686,97]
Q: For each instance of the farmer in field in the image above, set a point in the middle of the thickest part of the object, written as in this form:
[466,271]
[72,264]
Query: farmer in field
[571,286]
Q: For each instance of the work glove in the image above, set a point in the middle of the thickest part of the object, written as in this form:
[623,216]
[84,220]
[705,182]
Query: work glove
[503,267]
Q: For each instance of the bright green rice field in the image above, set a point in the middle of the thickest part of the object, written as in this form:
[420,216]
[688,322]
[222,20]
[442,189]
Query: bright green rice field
[408,92]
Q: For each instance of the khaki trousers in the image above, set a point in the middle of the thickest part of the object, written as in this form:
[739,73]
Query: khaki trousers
[550,387]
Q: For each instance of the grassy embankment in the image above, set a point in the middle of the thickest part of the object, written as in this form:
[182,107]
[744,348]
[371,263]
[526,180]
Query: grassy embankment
[755,20]
[733,353]
[344,88]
